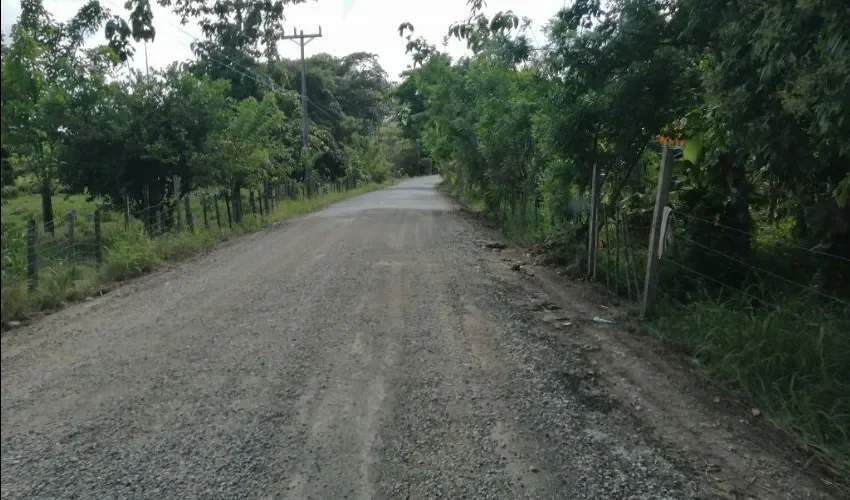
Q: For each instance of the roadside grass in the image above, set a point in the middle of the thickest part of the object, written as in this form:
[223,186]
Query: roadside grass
[792,361]
[517,220]
[70,274]
[787,351]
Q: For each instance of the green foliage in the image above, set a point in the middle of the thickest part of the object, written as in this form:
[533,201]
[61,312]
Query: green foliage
[222,124]
[761,92]
[793,361]
[402,152]
[244,26]
[153,130]
[44,73]
[242,151]
[367,161]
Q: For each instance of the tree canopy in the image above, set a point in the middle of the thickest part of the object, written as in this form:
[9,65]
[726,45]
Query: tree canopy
[228,119]
[758,89]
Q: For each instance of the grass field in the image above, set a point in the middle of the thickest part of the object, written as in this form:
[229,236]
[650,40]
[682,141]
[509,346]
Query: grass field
[69,272]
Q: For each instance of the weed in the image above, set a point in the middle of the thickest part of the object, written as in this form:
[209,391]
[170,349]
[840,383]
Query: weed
[793,360]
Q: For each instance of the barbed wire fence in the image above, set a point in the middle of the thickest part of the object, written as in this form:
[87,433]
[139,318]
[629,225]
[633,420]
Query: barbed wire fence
[768,318]
[37,262]
[632,258]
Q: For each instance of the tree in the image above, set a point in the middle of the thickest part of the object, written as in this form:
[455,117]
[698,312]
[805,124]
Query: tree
[759,89]
[242,152]
[140,133]
[42,72]
[775,75]
[236,33]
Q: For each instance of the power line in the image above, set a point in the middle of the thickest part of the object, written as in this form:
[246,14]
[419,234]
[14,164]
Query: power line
[257,77]
[303,39]
[718,282]
[330,114]
[263,79]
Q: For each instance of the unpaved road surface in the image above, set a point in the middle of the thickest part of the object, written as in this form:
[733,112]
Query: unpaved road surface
[371,350]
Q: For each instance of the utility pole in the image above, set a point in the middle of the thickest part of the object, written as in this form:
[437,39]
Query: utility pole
[303,39]
[661,196]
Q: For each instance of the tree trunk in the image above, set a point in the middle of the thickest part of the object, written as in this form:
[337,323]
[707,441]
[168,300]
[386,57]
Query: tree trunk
[834,272]
[47,208]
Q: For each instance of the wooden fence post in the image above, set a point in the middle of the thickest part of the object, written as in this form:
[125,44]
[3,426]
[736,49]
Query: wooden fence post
[227,206]
[661,195]
[593,218]
[177,222]
[32,265]
[70,220]
[126,212]
[98,238]
[204,208]
[252,202]
[217,214]
[187,206]
[148,218]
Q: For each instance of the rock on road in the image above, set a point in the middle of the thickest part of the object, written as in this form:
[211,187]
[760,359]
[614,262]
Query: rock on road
[365,351]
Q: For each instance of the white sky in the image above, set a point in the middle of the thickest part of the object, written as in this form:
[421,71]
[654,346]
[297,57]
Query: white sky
[347,26]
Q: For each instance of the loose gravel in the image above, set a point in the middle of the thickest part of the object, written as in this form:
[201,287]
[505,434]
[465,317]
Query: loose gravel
[371,350]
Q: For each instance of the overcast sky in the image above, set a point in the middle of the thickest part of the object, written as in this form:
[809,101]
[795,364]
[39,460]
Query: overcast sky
[347,25]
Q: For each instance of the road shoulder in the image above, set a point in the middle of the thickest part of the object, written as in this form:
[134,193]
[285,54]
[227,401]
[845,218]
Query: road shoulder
[735,451]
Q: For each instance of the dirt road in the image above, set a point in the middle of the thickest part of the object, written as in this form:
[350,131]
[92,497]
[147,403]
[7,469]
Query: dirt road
[372,350]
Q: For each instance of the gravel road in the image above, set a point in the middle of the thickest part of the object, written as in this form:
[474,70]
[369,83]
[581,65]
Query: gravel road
[370,350]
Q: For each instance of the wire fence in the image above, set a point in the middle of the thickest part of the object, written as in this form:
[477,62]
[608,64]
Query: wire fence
[698,257]
[114,238]
[622,259]
[760,312]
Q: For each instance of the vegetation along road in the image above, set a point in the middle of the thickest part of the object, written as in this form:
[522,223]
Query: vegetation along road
[375,349]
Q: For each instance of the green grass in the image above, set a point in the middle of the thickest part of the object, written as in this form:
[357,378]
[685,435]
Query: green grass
[787,350]
[66,276]
[518,220]
[23,207]
[792,360]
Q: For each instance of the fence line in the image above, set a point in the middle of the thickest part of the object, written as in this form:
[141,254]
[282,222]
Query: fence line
[716,281]
[612,246]
[69,247]
[741,231]
[765,271]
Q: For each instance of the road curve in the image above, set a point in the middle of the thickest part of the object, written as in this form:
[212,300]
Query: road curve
[370,350]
